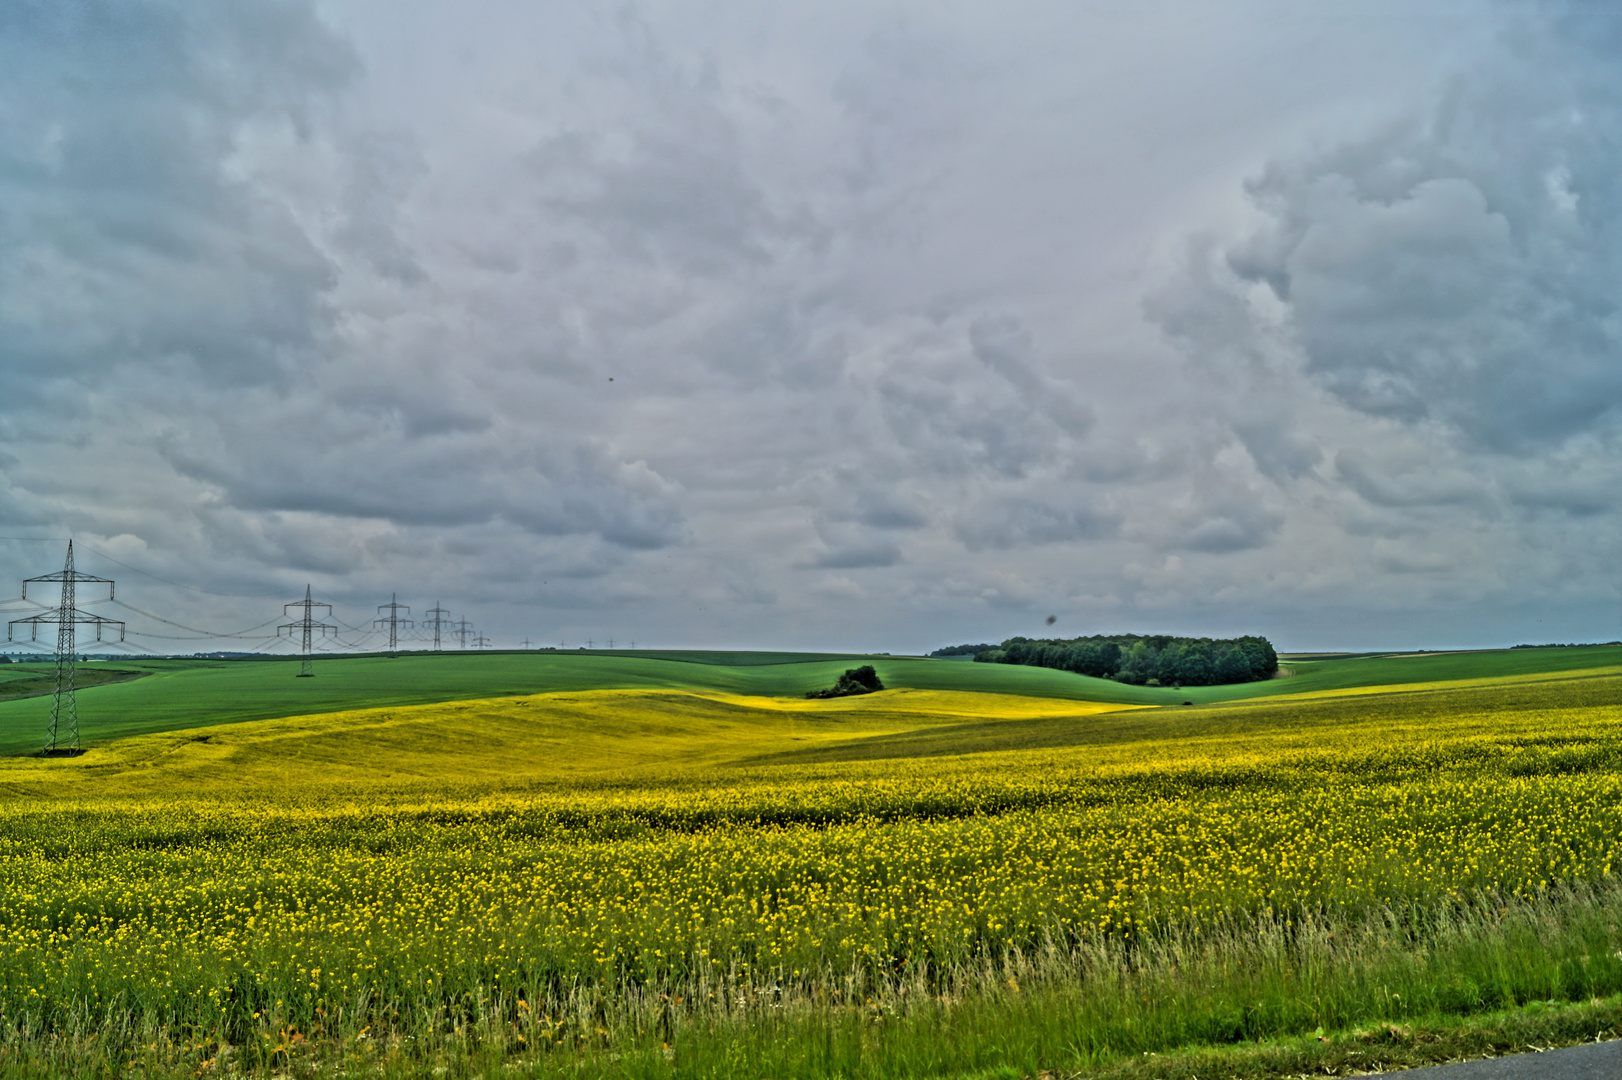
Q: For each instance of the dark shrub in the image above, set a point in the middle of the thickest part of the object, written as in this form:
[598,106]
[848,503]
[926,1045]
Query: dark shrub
[860,680]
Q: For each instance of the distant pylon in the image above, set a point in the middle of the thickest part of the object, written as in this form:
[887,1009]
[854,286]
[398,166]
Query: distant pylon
[481,642]
[393,621]
[461,630]
[610,643]
[307,626]
[67,617]
[524,644]
[437,618]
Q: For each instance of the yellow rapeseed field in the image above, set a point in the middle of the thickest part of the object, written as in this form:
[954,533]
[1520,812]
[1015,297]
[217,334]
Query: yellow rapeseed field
[348,870]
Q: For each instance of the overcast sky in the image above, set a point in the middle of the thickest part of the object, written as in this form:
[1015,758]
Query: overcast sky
[877,325]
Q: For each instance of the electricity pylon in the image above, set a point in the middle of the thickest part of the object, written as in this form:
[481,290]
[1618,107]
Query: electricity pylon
[524,644]
[461,630]
[393,621]
[306,625]
[610,643]
[437,619]
[481,642]
[67,617]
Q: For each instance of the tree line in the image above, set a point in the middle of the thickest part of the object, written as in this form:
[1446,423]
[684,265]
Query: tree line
[1143,660]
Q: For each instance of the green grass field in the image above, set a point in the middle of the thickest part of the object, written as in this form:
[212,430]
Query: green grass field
[674,865]
[169,695]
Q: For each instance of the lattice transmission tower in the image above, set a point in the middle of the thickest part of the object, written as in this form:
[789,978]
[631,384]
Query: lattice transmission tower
[481,642]
[62,736]
[461,630]
[438,619]
[393,621]
[307,626]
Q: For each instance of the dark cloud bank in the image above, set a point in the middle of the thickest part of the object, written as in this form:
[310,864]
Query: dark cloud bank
[868,329]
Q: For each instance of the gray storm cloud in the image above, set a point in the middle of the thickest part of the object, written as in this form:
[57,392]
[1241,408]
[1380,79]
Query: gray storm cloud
[835,326]
[154,248]
[124,240]
[1462,266]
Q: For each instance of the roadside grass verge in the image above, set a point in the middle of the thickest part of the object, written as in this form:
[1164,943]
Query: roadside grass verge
[1251,997]
[1389,1047]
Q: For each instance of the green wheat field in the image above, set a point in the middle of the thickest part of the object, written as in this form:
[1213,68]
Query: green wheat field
[652,865]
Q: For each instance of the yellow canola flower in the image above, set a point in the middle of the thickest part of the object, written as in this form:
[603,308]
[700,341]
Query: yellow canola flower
[186,904]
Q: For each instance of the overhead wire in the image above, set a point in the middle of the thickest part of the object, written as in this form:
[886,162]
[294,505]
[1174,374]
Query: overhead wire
[120,645]
[360,629]
[192,629]
[194,633]
[359,637]
[178,637]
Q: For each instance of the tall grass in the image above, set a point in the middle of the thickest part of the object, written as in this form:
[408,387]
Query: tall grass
[1097,1000]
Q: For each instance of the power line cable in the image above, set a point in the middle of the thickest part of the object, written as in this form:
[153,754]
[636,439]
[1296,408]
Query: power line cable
[187,637]
[192,629]
[144,573]
[361,628]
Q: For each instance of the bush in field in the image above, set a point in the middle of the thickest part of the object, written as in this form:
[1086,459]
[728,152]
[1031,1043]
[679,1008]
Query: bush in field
[859,680]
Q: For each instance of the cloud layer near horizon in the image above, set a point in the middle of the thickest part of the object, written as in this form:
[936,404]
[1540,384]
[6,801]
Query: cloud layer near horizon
[856,326]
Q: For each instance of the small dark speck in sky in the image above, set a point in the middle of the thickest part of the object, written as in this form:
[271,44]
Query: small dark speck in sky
[1052,619]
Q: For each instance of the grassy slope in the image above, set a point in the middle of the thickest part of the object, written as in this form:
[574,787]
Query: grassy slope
[35,680]
[648,735]
[1263,727]
[183,694]
[652,734]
